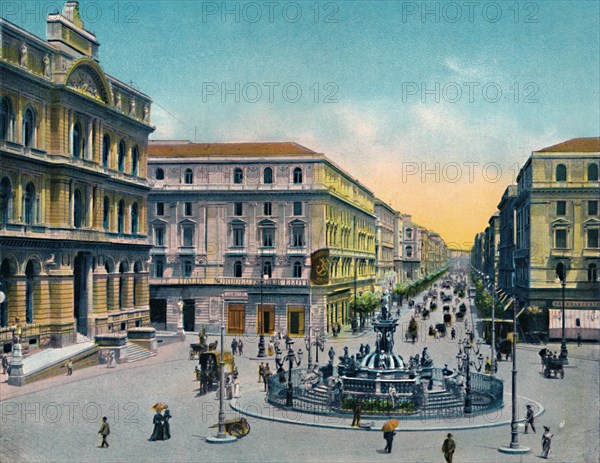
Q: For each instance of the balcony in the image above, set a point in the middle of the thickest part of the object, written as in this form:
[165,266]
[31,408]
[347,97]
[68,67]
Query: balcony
[236,251]
[562,253]
[230,281]
[297,251]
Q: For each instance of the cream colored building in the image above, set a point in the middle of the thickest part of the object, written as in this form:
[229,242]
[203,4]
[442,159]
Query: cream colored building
[224,215]
[73,245]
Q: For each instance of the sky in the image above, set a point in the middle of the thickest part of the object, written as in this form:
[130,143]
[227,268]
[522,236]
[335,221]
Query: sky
[434,106]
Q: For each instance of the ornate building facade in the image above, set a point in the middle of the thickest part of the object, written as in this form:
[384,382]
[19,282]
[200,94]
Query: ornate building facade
[234,226]
[73,190]
[385,241]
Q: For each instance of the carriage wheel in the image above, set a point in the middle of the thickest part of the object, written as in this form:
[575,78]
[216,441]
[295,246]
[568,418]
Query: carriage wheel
[236,429]
[562,373]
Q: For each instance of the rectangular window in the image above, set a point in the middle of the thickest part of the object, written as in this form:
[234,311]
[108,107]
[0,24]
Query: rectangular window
[298,237]
[238,209]
[592,238]
[159,236]
[268,235]
[187,268]
[187,209]
[159,269]
[238,237]
[160,208]
[592,207]
[188,236]
[560,238]
[297,208]
[561,207]
[267,209]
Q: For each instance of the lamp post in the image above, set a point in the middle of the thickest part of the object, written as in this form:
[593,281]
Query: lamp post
[514,446]
[261,339]
[222,437]
[465,363]
[291,357]
[561,276]
[493,368]
[318,342]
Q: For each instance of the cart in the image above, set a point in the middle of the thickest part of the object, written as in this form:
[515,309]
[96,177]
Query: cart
[553,367]
[236,427]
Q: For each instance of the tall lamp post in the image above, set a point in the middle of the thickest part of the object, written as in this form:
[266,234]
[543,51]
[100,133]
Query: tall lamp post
[465,363]
[318,342]
[222,437]
[493,368]
[292,358]
[514,446]
[561,277]
[261,339]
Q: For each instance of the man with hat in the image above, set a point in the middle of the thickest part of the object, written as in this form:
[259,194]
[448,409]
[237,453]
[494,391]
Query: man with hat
[448,448]
[529,419]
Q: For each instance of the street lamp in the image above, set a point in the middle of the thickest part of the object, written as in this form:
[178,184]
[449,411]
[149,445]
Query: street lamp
[561,277]
[465,363]
[318,342]
[493,368]
[261,339]
[291,357]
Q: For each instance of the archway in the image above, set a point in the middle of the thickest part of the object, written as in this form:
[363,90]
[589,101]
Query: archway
[82,294]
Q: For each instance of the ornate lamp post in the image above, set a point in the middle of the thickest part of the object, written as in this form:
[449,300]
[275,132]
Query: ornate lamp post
[561,277]
[261,339]
[291,357]
[318,342]
[493,354]
[222,437]
[465,363]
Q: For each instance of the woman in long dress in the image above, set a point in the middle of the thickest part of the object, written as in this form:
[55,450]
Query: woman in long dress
[546,442]
[157,433]
[166,425]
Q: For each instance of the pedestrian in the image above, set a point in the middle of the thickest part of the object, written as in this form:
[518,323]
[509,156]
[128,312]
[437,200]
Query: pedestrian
[234,346]
[529,418]
[240,347]
[166,426]
[236,387]
[546,442]
[488,365]
[356,417]
[448,448]
[69,366]
[578,339]
[157,432]
[266,376]
[453,333]
[261,369]
[389,439]
[271,347]
[111,360]
[104,432]
[4,364]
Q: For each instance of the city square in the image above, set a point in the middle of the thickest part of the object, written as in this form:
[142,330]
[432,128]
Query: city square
[245,231]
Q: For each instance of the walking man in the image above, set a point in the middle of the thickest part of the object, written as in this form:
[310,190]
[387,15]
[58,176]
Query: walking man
[529,419]
[356,417]
[261,370]
[448,448]
[4,363]
[578,339]
[240,347]
[70,367]
[104,432]
[234,346]
[389,439]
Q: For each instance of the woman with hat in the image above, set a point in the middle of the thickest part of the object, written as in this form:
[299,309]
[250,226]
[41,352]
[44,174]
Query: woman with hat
[546,442]
[448,448]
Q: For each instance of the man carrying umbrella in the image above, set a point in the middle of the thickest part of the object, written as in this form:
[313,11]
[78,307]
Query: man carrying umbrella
[389,433]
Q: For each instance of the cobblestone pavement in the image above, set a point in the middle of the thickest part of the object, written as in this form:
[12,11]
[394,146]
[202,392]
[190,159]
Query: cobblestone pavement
[58,419]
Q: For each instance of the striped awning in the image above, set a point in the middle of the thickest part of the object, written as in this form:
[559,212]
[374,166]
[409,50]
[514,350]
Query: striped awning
[585,323]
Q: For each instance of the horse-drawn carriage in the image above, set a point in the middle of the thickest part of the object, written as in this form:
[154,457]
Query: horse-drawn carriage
[551,364]
[208,371]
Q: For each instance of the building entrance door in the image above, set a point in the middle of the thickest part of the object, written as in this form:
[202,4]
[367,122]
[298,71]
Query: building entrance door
[189,314]
[296,321]
[236,318]
[266,319]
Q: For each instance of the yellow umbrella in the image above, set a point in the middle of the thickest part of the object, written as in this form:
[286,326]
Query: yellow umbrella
[159,406]
[390,425]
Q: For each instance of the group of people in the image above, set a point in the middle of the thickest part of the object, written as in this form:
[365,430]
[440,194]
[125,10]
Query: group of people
[264,373]
[237,346]
[162,428]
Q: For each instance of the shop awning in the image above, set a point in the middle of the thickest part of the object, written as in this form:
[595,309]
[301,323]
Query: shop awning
[577,321]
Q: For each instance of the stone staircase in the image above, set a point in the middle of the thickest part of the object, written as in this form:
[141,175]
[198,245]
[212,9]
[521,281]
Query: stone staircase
[135,352]
[441,403]
[82,338]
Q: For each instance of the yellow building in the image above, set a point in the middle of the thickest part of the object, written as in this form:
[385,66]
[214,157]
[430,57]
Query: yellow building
[73,190]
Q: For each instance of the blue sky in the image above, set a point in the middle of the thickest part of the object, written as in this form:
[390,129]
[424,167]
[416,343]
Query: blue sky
[370,61]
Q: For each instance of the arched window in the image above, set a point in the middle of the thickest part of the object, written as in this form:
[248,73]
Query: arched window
[29,291]
[29,205]
[134,219]
[237,269]
[7,117]
[105,150]
[121,217]
[561,173]
[77,140]
[238,175]
[135,157]
[409,251]
[297,175]
[28,128]
[121,156]
[122,283]
[592,272]
[106,214]
[189,177]
[77,209]
[110,286]
[267,269]
[137,282]
[159,174]
[297,270]
[268,175]
[592,172]
[6,200]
